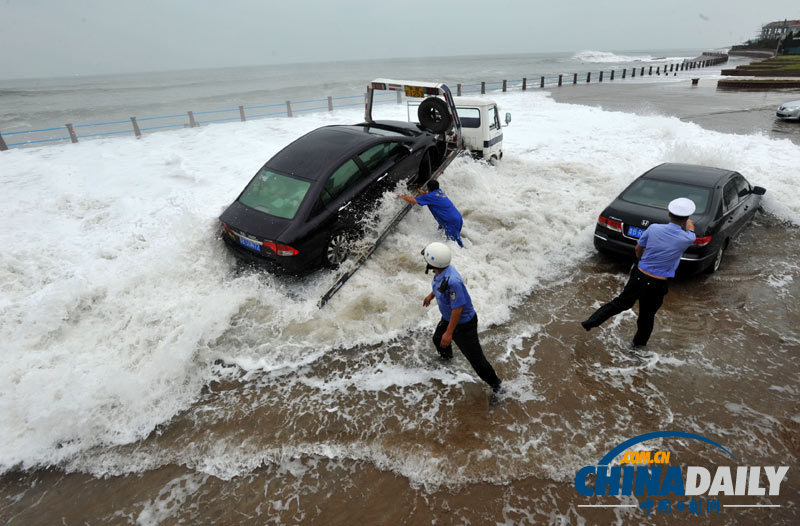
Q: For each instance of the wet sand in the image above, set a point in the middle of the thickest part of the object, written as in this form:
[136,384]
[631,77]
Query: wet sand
[722,361]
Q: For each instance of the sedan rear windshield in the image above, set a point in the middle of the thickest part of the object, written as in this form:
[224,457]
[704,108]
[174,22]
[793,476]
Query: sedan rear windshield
[275,194]
[656,193]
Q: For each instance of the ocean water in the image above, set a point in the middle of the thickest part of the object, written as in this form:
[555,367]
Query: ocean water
[43,103]
[149,380]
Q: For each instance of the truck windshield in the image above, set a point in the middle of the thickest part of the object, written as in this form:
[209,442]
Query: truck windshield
[656,193]
[275,194]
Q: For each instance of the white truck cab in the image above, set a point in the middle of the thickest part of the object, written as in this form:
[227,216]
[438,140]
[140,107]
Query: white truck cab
[480,125]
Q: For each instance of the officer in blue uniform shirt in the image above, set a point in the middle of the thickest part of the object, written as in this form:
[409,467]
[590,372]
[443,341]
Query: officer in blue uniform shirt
[659,252]
[459,321]
[443,210]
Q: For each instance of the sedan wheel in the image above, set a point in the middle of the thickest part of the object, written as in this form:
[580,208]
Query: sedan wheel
[337,250]
[717,261]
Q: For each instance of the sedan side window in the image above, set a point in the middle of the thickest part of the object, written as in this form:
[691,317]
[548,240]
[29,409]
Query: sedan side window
[730,195]
[376,156]
[742,186]
[345,177]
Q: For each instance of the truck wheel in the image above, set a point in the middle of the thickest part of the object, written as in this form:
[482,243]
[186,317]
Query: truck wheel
[434,115]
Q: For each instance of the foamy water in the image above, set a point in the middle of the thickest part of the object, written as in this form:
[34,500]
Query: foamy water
[607,57]
[118,299]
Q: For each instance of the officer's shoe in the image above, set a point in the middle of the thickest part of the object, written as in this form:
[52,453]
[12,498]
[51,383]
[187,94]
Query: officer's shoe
[637,350]
[498,391]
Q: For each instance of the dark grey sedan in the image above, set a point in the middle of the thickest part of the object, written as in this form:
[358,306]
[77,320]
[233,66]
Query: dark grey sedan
[725,203]
[304,205]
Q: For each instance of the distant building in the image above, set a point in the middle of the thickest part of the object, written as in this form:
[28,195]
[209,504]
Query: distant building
[775,30]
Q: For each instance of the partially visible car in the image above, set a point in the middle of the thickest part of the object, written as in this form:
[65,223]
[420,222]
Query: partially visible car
[302,209]
[725,203]
[789,111]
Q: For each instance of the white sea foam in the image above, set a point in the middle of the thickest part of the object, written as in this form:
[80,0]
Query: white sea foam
[605,57]
[117,297]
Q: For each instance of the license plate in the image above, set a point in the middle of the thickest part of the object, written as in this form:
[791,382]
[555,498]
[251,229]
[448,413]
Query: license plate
[635,232]
[414,91]
[250,244]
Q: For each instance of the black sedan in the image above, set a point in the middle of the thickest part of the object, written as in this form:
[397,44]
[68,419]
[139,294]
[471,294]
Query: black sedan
[305,205]
[725,203]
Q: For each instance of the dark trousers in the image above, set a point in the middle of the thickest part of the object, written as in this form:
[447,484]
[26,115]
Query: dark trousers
[650,293]
[465,336]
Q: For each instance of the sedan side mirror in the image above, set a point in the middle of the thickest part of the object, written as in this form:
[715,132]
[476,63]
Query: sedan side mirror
[508,118]
[759,190]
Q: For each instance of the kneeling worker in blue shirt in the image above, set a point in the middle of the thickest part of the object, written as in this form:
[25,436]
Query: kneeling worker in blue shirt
[459,321]
[443,210]
[659,252]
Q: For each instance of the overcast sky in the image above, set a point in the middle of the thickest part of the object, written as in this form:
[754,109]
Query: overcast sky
[45,38]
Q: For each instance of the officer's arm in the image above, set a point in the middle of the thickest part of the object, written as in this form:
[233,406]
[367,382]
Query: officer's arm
[641,244]
[455,315]
[408,199]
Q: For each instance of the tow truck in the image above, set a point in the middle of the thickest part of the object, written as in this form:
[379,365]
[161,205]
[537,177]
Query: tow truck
[436,113]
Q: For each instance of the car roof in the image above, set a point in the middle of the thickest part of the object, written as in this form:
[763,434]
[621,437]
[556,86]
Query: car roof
[318,152]
[693,174]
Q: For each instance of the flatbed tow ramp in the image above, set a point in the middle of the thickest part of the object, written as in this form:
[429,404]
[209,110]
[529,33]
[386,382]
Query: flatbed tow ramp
[436,119]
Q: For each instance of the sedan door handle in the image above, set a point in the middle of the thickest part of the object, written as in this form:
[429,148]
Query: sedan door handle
[344,207]
[383,176]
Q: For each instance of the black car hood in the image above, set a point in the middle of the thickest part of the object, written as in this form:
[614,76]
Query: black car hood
[254,223]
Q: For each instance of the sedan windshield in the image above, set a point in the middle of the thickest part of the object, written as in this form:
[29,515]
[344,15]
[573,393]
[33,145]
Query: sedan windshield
[275,194]
[658,194]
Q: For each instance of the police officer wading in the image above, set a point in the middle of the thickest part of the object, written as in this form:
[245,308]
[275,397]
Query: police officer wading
[442,209]
[459,321]
[659,252]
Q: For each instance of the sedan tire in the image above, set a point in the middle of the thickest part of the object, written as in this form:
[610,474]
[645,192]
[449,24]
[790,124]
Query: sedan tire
[715,264]
[337,249]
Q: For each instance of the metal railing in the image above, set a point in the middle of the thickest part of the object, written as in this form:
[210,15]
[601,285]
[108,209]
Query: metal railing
[290,108]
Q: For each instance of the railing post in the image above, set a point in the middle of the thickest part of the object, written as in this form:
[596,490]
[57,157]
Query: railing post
[541,83]
[192,122]
[330,103]
[458,89]
[650,71]
[504,85]
[241,113]
[483,88]
[624,71]
[136,129]
[560,78]
[575,78]
[601,77]
[72,136]
[288,108]
[633,72]
[524,83]
[588,76]
[612,74]
[3,146]
[658,70]
[399,97]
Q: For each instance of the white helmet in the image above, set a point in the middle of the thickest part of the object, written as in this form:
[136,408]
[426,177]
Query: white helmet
[437,255]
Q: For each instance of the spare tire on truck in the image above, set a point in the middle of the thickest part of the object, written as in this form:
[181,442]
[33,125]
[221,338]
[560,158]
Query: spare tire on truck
[434,115]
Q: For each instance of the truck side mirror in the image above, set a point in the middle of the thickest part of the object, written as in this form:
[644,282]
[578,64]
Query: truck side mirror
[508,118]
[759,190]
